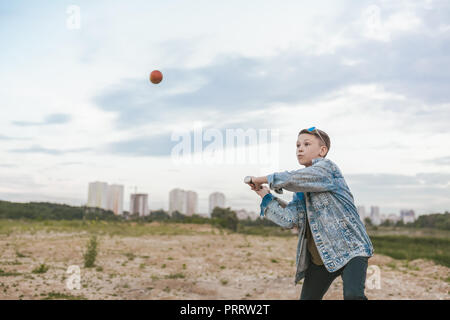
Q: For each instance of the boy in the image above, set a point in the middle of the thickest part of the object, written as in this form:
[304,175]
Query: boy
[332,238]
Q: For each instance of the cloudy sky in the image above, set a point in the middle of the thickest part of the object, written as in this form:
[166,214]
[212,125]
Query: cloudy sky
[76,104]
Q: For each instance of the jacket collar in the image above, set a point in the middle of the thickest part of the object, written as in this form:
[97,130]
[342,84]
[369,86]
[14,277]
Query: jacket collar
[316,160]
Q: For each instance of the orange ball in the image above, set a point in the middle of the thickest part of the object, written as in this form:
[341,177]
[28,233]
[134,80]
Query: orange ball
[156,76]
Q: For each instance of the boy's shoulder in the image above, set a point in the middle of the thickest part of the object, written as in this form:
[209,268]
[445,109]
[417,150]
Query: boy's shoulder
[329,165]
[323,162]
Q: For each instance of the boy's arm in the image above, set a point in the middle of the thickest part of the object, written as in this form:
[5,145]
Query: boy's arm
[316,178]
[287,217]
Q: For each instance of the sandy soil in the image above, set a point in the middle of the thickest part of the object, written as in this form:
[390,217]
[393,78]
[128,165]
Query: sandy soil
[208,266]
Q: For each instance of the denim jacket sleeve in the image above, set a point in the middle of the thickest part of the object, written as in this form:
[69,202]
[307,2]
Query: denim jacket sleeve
[316,178]
[287,217]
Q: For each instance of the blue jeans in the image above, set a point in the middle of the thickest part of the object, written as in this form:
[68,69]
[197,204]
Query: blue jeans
[318,280]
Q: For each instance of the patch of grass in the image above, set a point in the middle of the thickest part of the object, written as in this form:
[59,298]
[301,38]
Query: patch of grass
[274,260]
[222,267]
[142,266]
[91,252]
[409,248]
[410,267]
[20,255]
[410,232]
[392,265]
[265,231]
[163,266]
[8,274]
[130,255]
[184,266]
[13,263]
[176,276]
[41,269]
[99,269]
[111,228]
[64,296]
[224,282]
[169,258]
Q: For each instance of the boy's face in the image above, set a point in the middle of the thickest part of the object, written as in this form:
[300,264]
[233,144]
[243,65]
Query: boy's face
[309,148]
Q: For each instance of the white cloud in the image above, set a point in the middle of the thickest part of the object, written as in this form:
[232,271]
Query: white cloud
[380,24]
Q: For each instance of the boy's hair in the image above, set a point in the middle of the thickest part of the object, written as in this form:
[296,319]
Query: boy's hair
[324,136]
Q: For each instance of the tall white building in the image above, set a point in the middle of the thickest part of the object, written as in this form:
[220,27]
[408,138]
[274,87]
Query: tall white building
[361,212]
[115,199]
[139,204]
[375,215]
[191,203]
[216,199]
[185,202]
[104,196]
[98,195]
[177,201]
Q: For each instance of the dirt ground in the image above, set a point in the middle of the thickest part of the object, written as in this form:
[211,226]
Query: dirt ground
[206,266]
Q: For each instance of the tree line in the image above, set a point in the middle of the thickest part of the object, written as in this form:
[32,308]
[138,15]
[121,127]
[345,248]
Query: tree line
[222,217]
[52,211]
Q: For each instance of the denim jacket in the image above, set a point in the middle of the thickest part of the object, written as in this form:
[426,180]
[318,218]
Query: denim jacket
[322,196]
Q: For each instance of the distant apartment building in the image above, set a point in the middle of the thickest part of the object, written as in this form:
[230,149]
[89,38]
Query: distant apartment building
[361,212]
[407,216]
[375,215]
[185,202]
[216,199]
[115,199]
[177,201]
[191,203]
[107,197]
[139,204]
[98,195]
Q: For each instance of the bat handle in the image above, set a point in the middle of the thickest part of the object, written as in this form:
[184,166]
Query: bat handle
[248,180]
